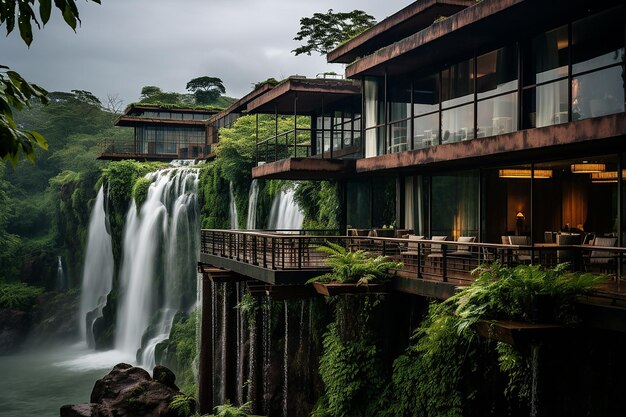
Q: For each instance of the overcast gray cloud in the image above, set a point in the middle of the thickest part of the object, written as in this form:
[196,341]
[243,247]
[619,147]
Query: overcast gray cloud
[126,44]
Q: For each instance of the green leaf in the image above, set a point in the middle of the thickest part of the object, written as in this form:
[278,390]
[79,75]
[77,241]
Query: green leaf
[26,31]
[39,139]
[45,7]
[69,17]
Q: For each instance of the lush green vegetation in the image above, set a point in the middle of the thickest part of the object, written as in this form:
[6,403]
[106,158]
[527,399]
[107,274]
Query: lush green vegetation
[183,337]
[439,374]
[18,296]
[354,266]
[352,365]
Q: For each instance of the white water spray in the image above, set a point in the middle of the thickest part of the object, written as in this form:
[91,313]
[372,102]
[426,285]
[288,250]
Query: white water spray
[158,266]
[98,270]
[253,197]
[232,213]
[285,213]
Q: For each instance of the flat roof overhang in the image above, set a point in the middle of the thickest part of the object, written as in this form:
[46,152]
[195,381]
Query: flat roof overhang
[407,21]
[269,276]
[142,106]
[138,157]
[488,24]
[312,94]
[132,121]
[306,169]
[241,104]
[544,143]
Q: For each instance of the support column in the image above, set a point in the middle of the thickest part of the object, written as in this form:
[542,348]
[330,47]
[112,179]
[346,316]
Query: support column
[205,365]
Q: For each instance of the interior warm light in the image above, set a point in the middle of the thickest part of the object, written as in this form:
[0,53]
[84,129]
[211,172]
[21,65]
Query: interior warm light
[520,215]
[587,168]
[608,175]
[525,173]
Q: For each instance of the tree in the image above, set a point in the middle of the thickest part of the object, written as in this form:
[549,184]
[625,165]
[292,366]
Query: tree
[15,92]
[206,89]
[324,31]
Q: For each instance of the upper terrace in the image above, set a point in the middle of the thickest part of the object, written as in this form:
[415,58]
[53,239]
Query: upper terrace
[160,134]
[327,148]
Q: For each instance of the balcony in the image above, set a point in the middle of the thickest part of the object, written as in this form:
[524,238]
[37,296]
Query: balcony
[430,268]
[114,150]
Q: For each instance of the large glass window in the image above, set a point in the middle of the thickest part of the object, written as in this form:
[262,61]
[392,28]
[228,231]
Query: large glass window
[457,84]
[457,124]
[426,131]
[496,72]
[454,210]
[597,65]
[399,102]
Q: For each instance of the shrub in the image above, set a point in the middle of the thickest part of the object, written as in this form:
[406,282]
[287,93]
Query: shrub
[18,296]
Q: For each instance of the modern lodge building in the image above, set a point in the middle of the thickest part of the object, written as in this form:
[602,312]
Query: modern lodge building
[482,131]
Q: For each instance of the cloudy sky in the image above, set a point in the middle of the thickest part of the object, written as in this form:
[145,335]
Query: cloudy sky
[123,45]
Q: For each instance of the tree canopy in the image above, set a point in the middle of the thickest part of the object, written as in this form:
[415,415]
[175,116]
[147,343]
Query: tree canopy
[15,92]
[206,89]
[324,31]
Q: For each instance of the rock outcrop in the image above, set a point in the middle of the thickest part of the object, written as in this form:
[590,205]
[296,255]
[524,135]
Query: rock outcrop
[128,391]
[14,325]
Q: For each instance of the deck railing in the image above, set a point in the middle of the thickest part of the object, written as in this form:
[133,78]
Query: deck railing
[172,149]
[444,261]
[295,143]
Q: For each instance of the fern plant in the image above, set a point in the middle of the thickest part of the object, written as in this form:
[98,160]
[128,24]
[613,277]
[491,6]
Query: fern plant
[182,405]
[354,266]
[229,410]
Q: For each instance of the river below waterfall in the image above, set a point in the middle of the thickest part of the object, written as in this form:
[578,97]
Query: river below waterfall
[38,383]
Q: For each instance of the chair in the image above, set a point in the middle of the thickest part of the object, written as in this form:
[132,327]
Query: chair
[603,259]
[463,250]
[412,246]
[548,237]
[411,250]
[522,256]
[435,249]
[566,239]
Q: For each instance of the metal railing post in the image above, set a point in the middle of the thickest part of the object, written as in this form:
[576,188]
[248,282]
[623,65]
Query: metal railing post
[444,262]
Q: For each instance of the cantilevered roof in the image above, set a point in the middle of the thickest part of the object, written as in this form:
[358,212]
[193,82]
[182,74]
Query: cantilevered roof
[130,121]
[310,92]
[132,116]
[407,21]
[241,104]
[489,23]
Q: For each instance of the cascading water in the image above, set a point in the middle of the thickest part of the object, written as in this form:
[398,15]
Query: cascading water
[286,363]
[534,379]
[285,213]
[60,275]
[98,270]
[253,197]
[232,212]
[158,267]
[267,351]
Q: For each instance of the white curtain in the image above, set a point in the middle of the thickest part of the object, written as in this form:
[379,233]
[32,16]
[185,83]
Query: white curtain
[371,106]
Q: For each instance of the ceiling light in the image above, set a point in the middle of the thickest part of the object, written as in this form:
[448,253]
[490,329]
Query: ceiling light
[587,168]
[525,173]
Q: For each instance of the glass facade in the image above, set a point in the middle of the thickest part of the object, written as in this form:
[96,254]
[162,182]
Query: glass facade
[564,74]
[186,142]
[496,202]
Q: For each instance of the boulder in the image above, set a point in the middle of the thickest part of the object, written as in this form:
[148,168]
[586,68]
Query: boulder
[128,391]
[14,326]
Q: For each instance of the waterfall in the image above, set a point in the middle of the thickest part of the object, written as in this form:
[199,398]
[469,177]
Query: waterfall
[253,197]
[97,271]
[60,275]
[285,213]
[534,381]
[214,339]
[223,343]
[160,251]
[232,209]
[267,351]
[286,363]
[239,346]
[251,364]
